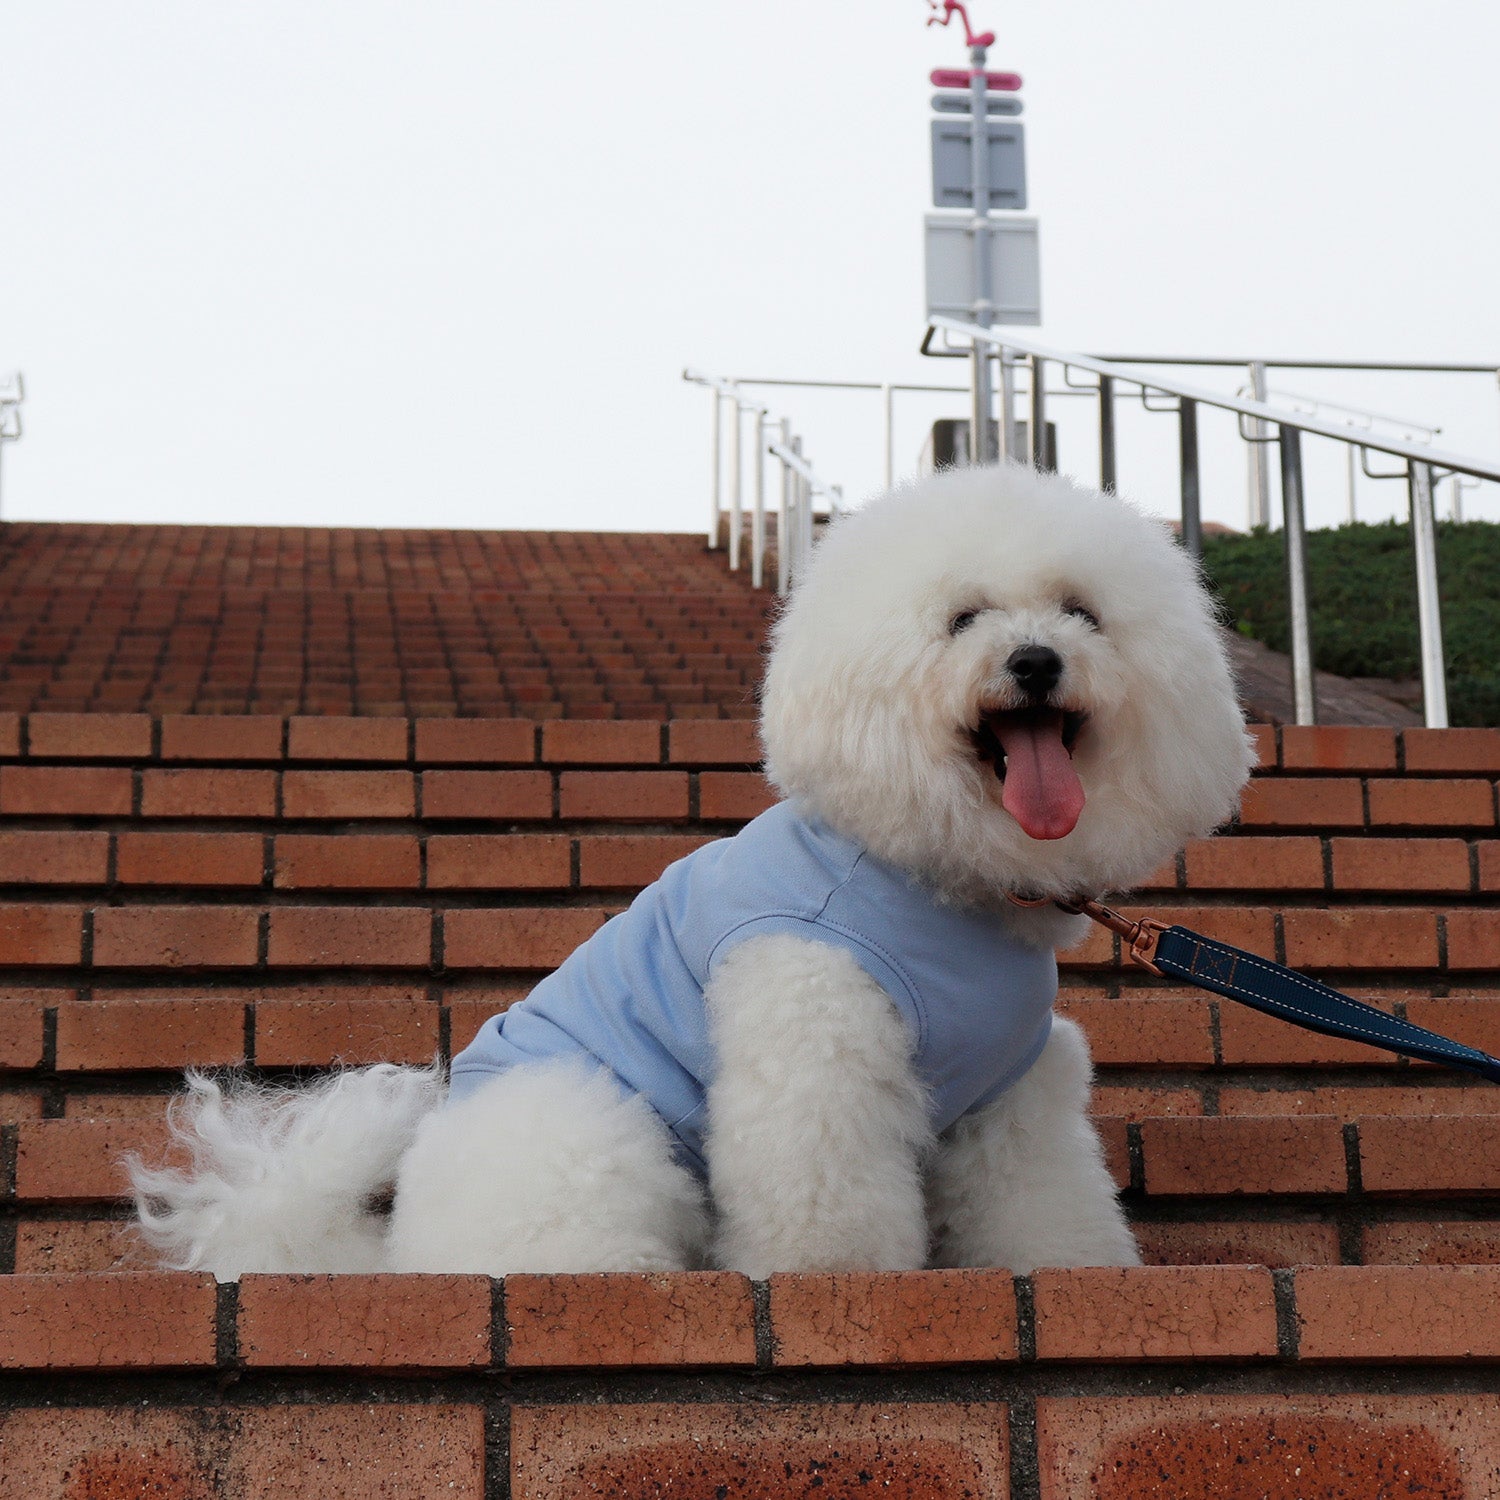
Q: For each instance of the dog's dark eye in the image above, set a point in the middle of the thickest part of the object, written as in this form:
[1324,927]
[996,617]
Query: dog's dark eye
[1082,611]
[961,621]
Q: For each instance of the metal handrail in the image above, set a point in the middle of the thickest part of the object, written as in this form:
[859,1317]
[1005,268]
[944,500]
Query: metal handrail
[800,483]
[1420,460]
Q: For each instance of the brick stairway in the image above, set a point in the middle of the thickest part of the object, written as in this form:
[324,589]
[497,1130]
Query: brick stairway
[1322,1224]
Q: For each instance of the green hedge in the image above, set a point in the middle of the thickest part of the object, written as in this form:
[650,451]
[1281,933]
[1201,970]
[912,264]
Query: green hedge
[1364,600]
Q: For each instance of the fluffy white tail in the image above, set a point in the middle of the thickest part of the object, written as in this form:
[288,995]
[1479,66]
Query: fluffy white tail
[283,1178]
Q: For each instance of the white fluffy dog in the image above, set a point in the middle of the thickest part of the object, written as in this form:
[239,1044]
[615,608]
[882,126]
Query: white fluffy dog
[827,1043]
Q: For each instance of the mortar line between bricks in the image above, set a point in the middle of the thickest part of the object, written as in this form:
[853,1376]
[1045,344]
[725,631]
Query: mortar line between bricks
[8,1227]
[1351,1160]
[1442,941]
[496,1447]
[764,1327]
[1025,1464]
[1025,1320]
[1472,847]
[227,1326]
[1288,1331]
[1135,1153]
[10,1136]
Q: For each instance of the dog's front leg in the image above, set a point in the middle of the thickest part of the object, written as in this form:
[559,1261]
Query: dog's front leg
[1022,1182]
[817,1126]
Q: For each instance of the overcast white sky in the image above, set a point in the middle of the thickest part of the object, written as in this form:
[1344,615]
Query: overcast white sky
[441,264]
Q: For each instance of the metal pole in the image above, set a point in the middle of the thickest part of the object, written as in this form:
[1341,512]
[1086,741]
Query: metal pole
[1005,425]
[890,455]
[1260,469]
[981,450]
[783,527]
[713,519]
[758,521]
[1349,456]
[736,492]
[800,501]
[1038,413]
[1429,608]
[1304,692]
[1187,453]
[1107,432]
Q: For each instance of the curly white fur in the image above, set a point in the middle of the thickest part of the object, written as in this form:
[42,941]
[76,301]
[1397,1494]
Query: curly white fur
[820,1152]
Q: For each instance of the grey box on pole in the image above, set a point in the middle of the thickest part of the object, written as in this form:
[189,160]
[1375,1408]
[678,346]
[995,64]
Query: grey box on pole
[962,104]
[953,174]
[1014,260]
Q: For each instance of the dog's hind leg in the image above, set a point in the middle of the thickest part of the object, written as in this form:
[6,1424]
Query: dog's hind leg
[547,1167]
[817,1125]
[1022,1182]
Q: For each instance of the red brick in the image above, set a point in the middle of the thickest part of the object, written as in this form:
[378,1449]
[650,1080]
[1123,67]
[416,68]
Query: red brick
[1452,1154]
[89,736]
[221,737]
[1154,1312]
[696,1318]
[1249,1037]
[904,1318]
[284,1452]
[486,794]
[336,737]
[757,1450]
[1337,747]
[1302,802]
[512,862]
[129,1320]
[1414,803]
[1349,1103]
[713,742]
[46,858]
[1474,939]
[50,1246]
[1144,1102]
[1097,949]
[1264,736]
[347,862]
[1417,865]
[1129,1032]
[21,1104]
[348,794]
[630,861]
[1250,863]
[1466,1242]
[204,793]
[1452,750]
[516,937]
[1219,1242]
[1231,1156]
[602,742]
[1398,1314]
[20,1031]
[731,796]
[624,796]
[107,1036]
[365,1322]
[1475,1022]
[199,859]
[40,935]
[78,1161]
[1361,938]
[10,735]
[316,1031]
[1250,927]
[482,741]
[114,1106]
[176,937]
[1489,865]
[468,1010]
[70,791]
[1269,1447]
[335,937]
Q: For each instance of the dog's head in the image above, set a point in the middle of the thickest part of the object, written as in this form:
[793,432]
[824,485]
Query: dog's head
[1004,682]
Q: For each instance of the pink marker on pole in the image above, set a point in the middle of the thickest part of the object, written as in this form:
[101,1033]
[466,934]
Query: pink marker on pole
[959,78]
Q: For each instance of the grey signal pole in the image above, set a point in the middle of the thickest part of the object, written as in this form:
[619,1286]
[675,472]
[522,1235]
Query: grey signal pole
[982,450]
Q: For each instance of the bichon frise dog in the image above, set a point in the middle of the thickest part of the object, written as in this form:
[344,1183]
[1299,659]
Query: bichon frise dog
[826,1043]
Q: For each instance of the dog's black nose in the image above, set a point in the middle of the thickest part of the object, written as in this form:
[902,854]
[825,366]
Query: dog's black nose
[1036,669]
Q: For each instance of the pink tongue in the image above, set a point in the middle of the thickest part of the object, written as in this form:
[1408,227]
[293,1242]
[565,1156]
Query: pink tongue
[1042,790]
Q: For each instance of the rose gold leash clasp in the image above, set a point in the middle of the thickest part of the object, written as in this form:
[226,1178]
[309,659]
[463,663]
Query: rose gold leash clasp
[1142,935]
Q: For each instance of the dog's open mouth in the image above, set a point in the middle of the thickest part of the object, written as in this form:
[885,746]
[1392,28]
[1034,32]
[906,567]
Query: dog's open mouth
[1031,750]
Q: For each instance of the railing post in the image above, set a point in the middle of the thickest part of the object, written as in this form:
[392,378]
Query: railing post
[784,521]
[1038,411]
[888,397]
[1299,618]
[1107,433]
[736,490]
[1260,472]
[1005,423]
[758,521]
[979,405]
[801,499]
[1429,608]
[1187,454]
[713,520]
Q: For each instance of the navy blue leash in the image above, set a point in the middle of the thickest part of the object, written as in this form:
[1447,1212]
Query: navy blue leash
[1279,991]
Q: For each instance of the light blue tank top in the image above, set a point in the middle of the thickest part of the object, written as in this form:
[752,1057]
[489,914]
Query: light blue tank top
[978,1002]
